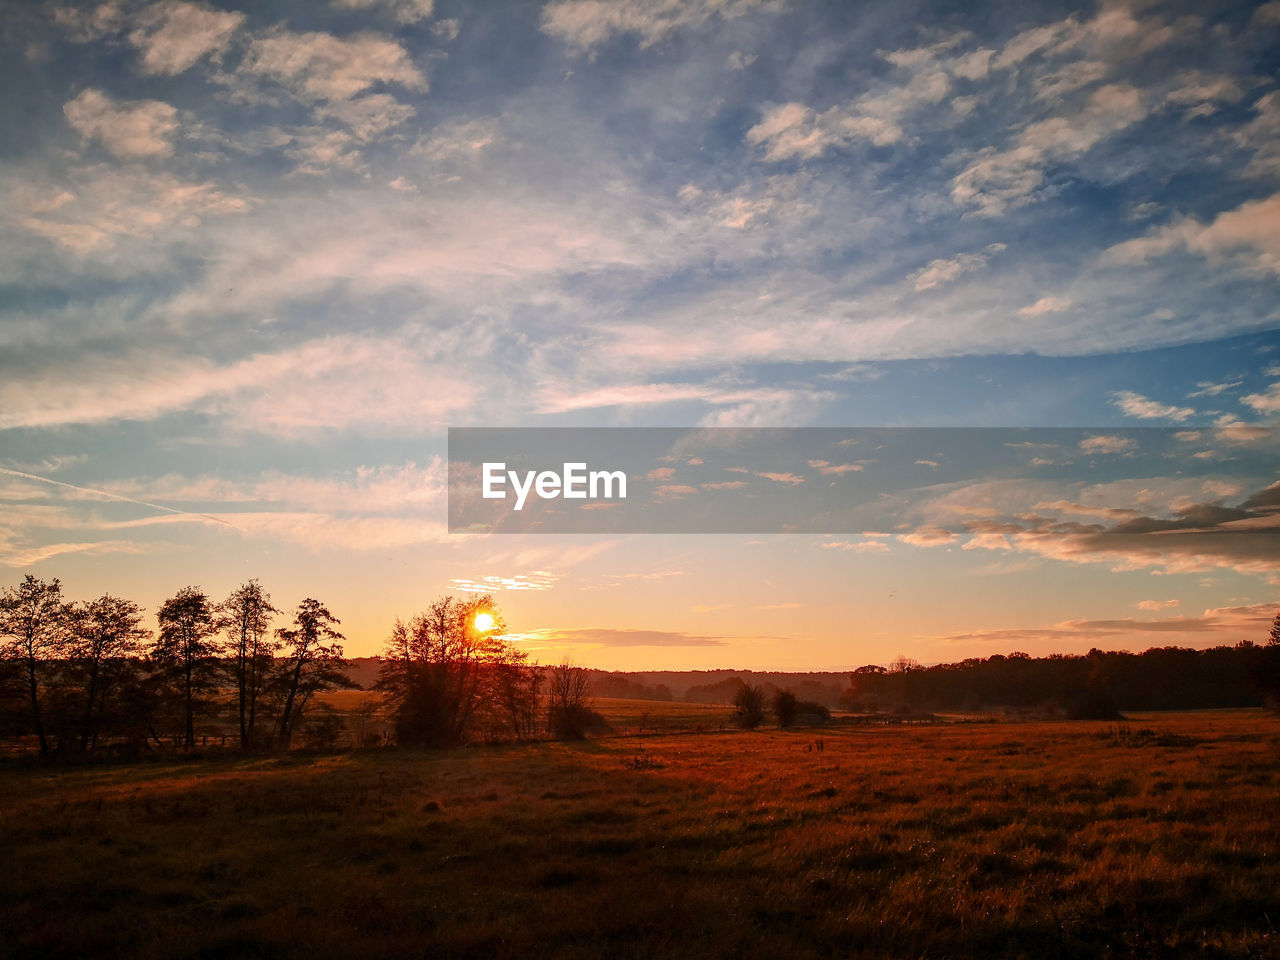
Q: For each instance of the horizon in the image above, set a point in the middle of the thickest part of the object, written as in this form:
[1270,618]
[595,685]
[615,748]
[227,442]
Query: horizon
[258,259]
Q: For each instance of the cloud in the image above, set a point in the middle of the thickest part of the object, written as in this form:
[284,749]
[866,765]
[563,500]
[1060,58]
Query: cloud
[173,36]
[320,66]
[583,24]
[1156,604]
[1266,402]
[995,180]
[834,469]
[928,537]
[1224,626]
[1136,405]
[367,509]
[458,141]
[788,478]
[939,272]
[404,11]
[1194,537]
[91,209]
[1250,233]
[1045,305]
[334,383]
[1207,388]
[861,546]
[537,581]
[1107,444]
[793,131]
[131,130]
[610,637]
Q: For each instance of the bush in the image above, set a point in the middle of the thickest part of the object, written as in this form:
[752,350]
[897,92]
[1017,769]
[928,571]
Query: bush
[749,707]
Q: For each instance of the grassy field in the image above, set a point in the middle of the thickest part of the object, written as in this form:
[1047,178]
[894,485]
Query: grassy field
[1154,838]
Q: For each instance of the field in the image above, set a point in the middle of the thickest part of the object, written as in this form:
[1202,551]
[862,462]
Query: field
[1152,838]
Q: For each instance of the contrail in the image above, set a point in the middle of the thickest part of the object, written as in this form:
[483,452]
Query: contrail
[116,496]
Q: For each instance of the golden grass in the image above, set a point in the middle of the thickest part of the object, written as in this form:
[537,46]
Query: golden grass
[1155,838]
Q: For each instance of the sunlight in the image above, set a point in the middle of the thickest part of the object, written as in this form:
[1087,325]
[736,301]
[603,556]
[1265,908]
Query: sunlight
[484,622]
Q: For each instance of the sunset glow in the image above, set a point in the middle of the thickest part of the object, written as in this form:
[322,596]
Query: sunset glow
[258,258]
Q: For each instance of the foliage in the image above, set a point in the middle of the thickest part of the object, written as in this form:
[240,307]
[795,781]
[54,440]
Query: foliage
[443,677]
[784,707]
[245,617]
[32,625]
[184,653]
[749,707]
[313,662]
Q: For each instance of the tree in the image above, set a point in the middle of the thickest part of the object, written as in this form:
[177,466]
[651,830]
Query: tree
[184,650]
[313,662]
[749,706]
[107,636]
[33,618]
[568,692]
[785,707]
[443,668]
[246,618]
[1273,638]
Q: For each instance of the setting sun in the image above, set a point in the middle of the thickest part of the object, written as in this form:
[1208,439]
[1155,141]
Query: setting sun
[484,622]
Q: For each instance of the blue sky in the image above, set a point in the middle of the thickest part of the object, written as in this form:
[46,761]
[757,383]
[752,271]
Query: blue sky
[256,258]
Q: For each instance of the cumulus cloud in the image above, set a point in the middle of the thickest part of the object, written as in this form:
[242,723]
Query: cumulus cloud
[129,129]
[319,66]
[1107,443]
[583,24]
[173,36]
[1136,405]
[1266,402]
[404,11]
[793,130]
[1250,233]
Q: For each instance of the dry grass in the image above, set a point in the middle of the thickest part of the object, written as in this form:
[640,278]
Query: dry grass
[1153,839]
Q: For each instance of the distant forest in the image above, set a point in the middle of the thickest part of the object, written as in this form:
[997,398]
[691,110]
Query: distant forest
[1096,684]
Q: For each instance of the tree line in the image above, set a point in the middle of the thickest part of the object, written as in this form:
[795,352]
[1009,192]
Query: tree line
[1093,685]
[76,676]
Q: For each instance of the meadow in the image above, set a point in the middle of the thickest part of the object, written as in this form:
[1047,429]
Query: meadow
[1155,837]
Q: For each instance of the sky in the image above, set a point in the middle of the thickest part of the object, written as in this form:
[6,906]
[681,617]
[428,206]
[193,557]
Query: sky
[257,258]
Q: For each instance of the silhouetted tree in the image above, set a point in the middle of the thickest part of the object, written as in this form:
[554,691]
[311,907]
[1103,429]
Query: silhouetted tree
[246,619]
[106,639]
[184,652]
[438,670]
[784,708]
[568,692]
[749,707]
[313,662]
[33,623]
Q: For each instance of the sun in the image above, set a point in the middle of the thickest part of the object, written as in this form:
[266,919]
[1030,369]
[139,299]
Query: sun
[484,622]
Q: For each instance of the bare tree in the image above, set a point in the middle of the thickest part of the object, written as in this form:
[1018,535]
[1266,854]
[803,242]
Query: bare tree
[107,636]
[313,663]
[184,650]
[33,620]
[568,693]
[246,619]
